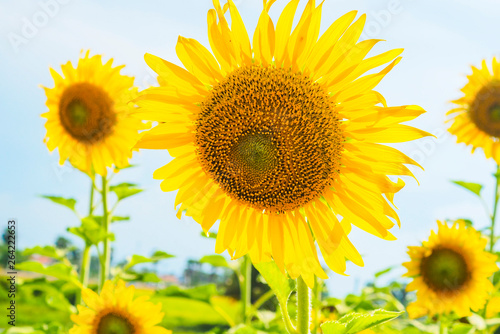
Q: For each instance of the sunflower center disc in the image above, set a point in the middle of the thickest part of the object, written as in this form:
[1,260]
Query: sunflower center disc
[445,270]
[485,110]
[270,138]
[86,113]
[114,324]
[254,155]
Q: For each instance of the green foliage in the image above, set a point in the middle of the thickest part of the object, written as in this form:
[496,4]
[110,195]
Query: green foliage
[119,218]
[59,270]
[462,329]
[279,283]
[91,230]
[356,322]
[145,277]
[137,259]
[472,187]
[67,202]
[383,272]
[188,314]
[124,190]
[210,235]
[49,251]
[215,260]
[50,294]
[201,293]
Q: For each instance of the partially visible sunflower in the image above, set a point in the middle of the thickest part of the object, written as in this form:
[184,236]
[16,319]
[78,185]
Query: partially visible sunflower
[280,140]
[493,307]
[450,272]
[476,119]
[89,118]
[116,311]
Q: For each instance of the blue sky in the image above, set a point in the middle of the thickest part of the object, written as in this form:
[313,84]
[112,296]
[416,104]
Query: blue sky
[441,40]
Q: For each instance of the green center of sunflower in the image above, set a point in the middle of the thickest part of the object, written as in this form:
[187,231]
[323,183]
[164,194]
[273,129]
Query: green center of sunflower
[77,113]
[270,138]
[495,113]
[254,155]
[115,324]
[445,270]
[485,109]
[86,113]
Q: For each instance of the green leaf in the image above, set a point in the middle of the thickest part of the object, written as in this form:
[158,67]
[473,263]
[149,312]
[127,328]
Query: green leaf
[136,259]
[467,222]
[126,167]
[185,313]
[52,296]
[150,278]
[473,187]
[202,293]
[146,277]
[356,322]
[229,308]
[67,202]
[119,218]
[49,251]
[59,270]
[462,329]
[91,230]
[279,283]
[215,260]
[124,190]
[382,272]
[243,329]
[210,235]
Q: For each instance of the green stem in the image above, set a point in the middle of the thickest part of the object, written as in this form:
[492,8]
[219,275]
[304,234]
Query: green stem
[286,317]
[224,314]
[91,205]
[246,288]
[105,220]
[317,303]
[443,324]
[84,270]
[262,299]
[495,207]
[443,329]
[85,266]
[303,307]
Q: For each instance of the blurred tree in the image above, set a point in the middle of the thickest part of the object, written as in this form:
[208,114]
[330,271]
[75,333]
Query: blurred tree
[62,243]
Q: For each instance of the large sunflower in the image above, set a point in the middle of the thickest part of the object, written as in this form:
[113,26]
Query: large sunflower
[89,117]
[280,141]
[116,311]
[476,119]
[450,272]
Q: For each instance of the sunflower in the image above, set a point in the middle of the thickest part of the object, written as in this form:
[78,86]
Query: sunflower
[476,118]
[280,143]
[88,118]
[450,272]
[115,311]
[493,307]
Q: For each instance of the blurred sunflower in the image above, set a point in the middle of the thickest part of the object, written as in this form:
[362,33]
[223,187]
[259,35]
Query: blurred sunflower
[88,118]
[476,119]
[278,140]
[493,307]
[450,272]
[115,311]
